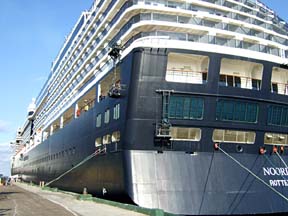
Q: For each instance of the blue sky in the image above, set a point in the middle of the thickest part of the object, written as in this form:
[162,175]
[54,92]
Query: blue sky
[32,33]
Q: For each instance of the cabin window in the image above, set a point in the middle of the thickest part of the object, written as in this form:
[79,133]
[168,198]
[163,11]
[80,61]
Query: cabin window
[232,136]
[116,112]
[98,141]
[275,139]
[187,68]
[278,115]
[240,74]
[116,136]
[274,88]
[256,84]
[107,116]
[185,134]
[107,139]
[227,80]
[181,107]
[279,81]
[228,110]
[98,120]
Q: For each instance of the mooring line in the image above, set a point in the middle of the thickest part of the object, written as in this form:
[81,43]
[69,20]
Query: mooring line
[253,174]
[99,151]
[281,159]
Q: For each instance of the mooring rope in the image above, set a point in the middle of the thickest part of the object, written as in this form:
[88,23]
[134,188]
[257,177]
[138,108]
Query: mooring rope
[98,151]
[281,159]
[273,165]
[253,174]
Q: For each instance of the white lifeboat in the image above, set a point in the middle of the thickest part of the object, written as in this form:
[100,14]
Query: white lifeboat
[31,109]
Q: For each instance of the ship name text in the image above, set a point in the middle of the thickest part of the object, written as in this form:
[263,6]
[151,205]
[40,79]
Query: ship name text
[271,171]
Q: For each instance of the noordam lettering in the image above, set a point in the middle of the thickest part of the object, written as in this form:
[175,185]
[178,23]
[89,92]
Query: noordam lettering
[271,171]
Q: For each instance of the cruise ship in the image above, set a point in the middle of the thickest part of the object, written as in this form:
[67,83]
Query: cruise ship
[171,104]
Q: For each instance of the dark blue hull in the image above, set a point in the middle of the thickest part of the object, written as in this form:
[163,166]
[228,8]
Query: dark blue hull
[184,177]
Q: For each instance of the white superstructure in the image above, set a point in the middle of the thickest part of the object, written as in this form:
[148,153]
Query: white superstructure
[244,28]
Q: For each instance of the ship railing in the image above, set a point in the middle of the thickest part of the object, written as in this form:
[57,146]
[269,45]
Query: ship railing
[190,76]
[239,81]
[279,88]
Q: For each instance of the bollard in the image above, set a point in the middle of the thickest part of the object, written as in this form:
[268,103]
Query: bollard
[41,184]
[85,195]
[85,191]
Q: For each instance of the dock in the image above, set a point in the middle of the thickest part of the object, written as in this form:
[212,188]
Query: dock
[27,200]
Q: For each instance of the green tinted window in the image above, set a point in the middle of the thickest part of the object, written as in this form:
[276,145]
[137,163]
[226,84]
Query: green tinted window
[228,110]
[185,107]
[278,115]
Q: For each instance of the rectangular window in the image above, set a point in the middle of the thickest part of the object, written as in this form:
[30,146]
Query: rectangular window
[98,120]
[185,134]
[227,80]
[107,139]
[116,136]
[222,80]
[228,110]
[230,81]
[278,115]
[274,88]
[107,116]
[98,142]
[116,112]
[181,107]
[276,139]
[237,82]
[256,84]
[232,136]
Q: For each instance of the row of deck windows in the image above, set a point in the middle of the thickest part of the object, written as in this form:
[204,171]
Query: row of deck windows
[227,110]
[186,107]
[227,136]
[190,68]
[108,138]
[116,115]
[189,107]
[212,24]
[219,135]
[278,115]
[276,26]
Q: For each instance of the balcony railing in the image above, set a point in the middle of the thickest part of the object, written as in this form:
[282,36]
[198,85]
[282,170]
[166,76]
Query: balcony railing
[186,76]
[279,88]
[239,82]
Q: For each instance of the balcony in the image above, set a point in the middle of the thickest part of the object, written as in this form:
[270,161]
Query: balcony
[279,81]
[240,74]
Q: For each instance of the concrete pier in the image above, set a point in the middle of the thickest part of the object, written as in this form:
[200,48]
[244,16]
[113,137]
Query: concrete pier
[25,200]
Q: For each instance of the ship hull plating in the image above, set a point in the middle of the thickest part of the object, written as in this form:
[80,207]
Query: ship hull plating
[184,183]
[207,183]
